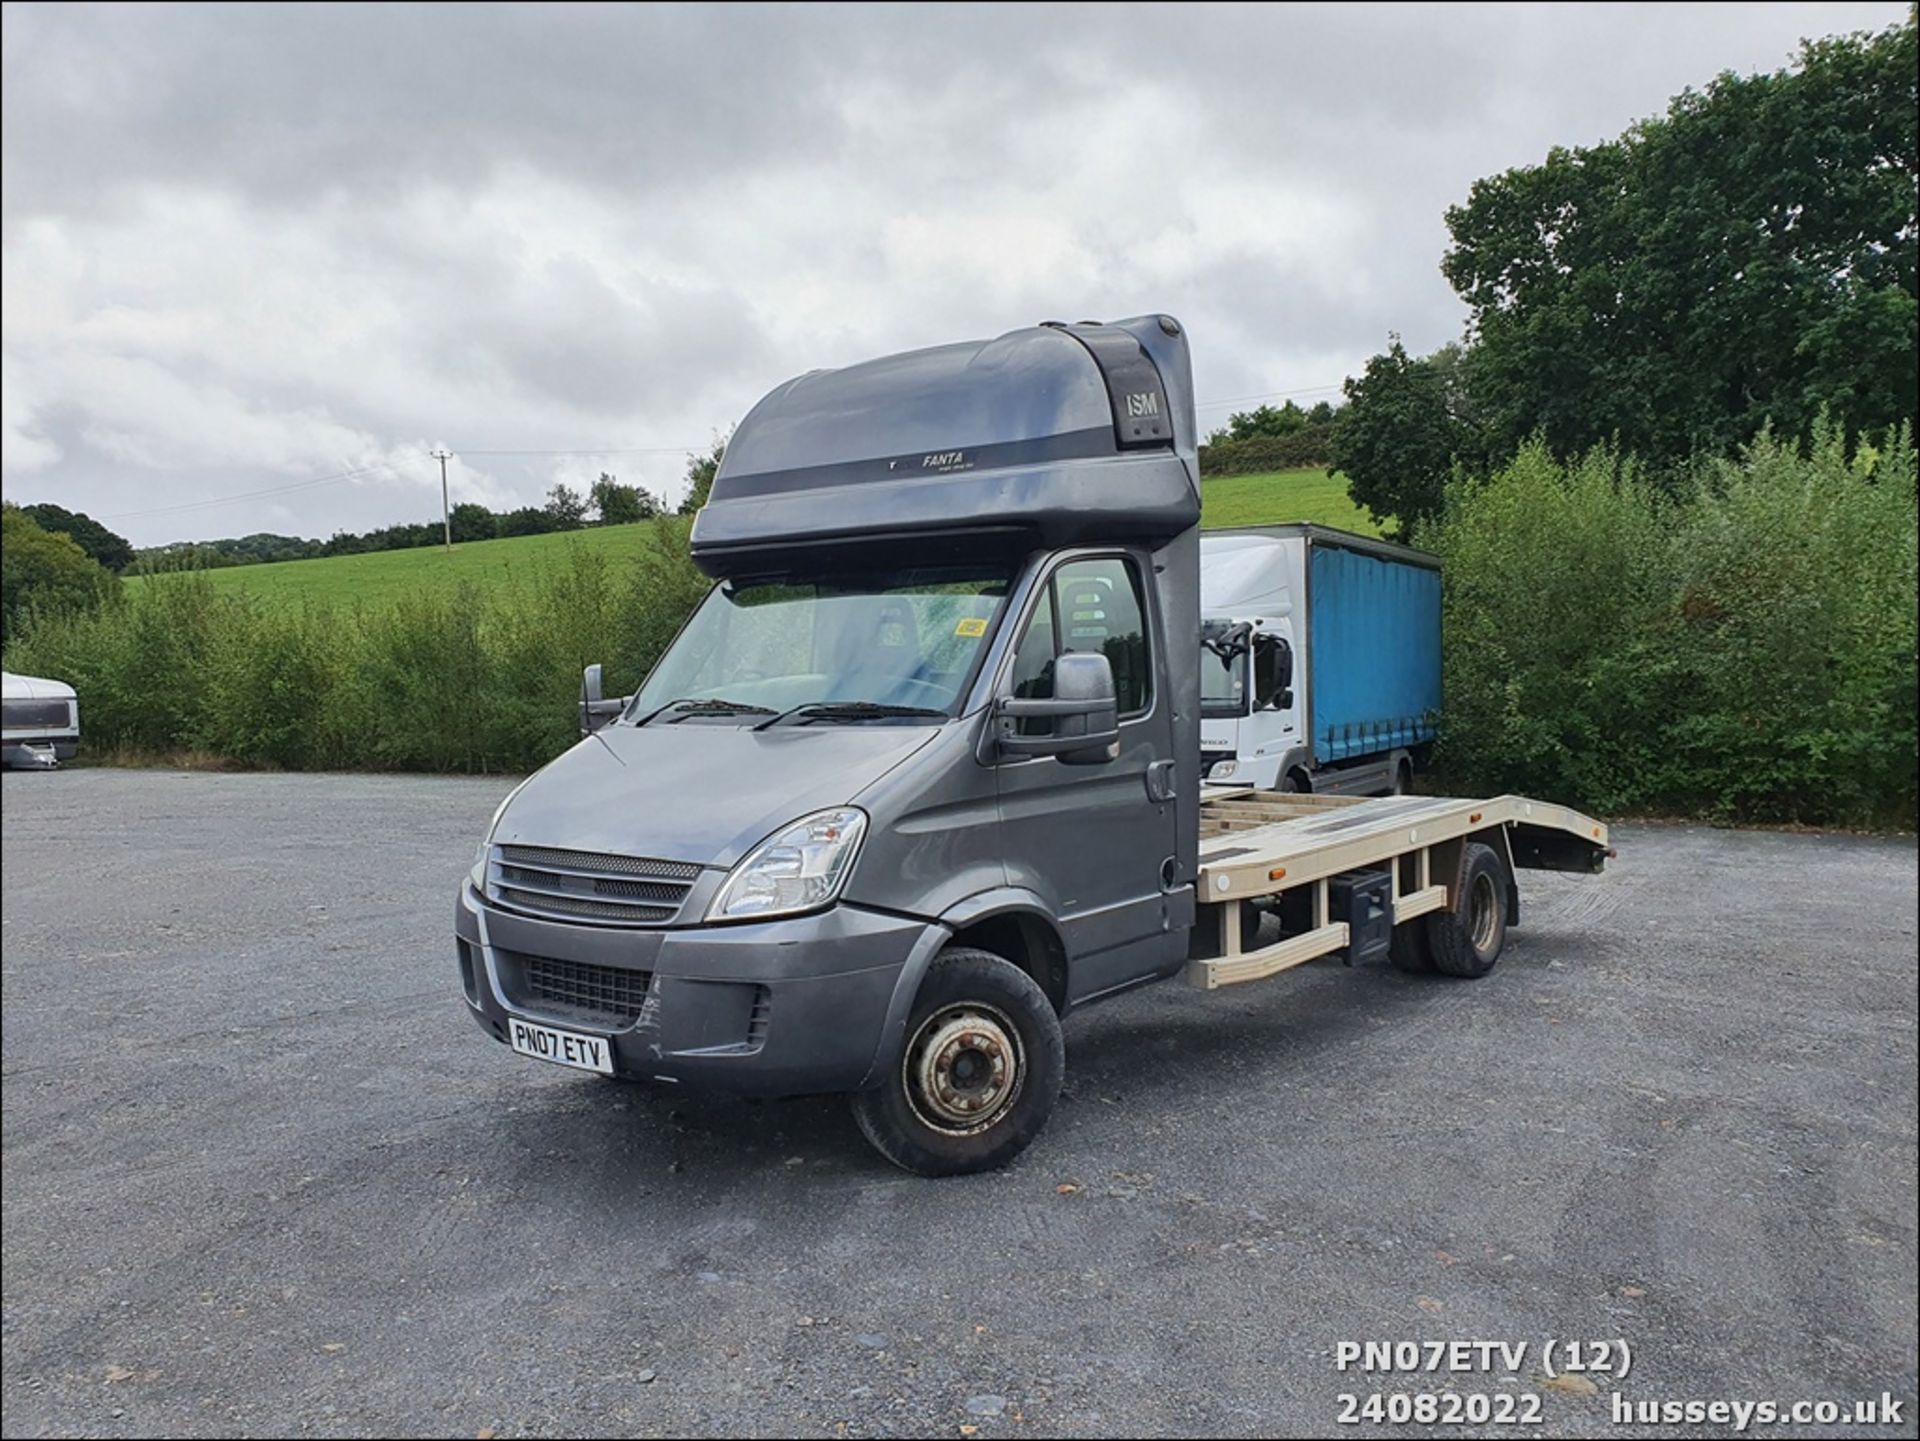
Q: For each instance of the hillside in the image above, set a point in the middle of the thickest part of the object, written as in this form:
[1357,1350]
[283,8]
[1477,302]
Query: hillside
[377,576]
[1280,496]
[382,574]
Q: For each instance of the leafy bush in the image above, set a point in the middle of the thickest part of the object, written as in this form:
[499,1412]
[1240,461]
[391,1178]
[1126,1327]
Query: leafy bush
[1743,649]
[465,680]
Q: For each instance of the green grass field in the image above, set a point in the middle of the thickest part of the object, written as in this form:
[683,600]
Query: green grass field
[1280,496]
[1229,500]
[379,575]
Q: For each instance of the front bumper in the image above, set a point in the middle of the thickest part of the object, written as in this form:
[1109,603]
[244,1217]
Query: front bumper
[785,1007]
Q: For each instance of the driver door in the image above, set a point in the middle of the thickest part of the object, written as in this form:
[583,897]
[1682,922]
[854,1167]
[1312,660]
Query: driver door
[1092,839]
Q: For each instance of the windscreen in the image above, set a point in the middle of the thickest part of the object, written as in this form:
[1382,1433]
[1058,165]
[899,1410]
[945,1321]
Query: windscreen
[907,638]
[1223,684]
[1223,668]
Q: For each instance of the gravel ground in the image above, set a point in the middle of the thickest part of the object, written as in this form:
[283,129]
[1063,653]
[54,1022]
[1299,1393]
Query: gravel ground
[263,1174]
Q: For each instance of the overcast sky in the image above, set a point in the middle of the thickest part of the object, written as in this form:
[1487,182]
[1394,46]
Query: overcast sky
[247,249]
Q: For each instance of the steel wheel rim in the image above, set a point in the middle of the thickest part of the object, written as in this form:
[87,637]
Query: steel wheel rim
[1485,913]
[964,1068]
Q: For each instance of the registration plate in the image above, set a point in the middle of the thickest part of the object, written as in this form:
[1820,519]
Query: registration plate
[563,1048]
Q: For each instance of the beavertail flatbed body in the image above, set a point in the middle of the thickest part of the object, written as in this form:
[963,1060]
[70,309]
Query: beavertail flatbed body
[1260,845]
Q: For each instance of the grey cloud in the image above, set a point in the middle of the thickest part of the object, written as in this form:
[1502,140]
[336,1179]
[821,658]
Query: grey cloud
[314,235]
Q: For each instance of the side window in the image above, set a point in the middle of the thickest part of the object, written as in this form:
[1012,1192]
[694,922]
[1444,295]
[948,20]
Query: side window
[1090,605]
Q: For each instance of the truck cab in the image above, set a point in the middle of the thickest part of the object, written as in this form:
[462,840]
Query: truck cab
[916,779]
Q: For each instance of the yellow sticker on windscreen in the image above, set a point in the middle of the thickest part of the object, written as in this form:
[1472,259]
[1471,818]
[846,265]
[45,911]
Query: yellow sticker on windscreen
[970,625]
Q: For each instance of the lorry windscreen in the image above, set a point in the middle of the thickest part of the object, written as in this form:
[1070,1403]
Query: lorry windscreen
[1223,684]
[907,638]
[1223,668]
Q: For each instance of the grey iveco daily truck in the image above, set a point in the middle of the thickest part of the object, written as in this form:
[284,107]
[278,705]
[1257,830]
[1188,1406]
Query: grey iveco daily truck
[921,774]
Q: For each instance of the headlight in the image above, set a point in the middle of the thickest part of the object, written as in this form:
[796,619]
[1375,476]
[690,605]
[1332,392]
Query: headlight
[1222,770]
[800,868]
[478,875]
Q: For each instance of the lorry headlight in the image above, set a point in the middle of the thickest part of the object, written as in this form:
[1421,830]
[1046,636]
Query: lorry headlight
[796,869]
[1222,770]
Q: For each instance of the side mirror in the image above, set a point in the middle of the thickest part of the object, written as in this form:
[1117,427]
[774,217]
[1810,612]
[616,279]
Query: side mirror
[595,710]
[1273,673]
[1085,715]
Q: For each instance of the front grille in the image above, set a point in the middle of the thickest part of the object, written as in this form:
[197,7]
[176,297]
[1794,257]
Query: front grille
[34,715]
[607,996]
[588,885]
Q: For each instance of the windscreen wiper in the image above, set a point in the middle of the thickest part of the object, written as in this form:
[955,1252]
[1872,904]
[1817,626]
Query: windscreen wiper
[853,710]
[705,705]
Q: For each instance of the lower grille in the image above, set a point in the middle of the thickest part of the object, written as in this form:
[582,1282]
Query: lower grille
[608,996]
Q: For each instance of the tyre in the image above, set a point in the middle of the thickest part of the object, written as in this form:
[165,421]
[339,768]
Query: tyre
[1293,784]
[979,1075]
[1467,941]
[1410,952]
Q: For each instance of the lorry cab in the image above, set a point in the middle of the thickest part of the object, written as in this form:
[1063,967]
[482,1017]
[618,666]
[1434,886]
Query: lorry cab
[907,787]
[1251,710]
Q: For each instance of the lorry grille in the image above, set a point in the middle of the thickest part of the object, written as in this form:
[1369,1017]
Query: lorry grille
[606,996]
[589,886]
[34,715]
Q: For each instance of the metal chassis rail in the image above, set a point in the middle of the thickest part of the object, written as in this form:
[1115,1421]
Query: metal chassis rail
[1256,844]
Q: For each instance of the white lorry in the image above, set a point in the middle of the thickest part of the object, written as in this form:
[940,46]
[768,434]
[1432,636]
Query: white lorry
[1319,662]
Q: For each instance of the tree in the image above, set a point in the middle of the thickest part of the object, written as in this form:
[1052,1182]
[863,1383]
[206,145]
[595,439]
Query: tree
[1746,259]
[1321,414]
[567,507]
[471,521]
[528,520]
[115,552]
[620,504]
[1405,424]
[700,472]
[41,570]
[1266,420]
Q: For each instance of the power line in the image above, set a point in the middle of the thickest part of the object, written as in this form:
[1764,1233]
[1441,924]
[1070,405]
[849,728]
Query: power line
[603,450]
[252,494]
[1265,395]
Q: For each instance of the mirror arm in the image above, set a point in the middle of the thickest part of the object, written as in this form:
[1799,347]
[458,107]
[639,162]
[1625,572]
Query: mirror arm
[1022,709]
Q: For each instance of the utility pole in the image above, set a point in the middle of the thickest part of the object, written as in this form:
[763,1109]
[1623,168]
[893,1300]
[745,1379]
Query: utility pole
[443,455]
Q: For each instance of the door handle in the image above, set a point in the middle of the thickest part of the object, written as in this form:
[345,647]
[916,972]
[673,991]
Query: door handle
[1160,781]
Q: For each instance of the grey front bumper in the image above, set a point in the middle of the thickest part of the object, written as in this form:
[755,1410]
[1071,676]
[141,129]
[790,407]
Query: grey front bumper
[787,1007]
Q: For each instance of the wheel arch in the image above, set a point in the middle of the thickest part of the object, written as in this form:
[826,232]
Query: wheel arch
[1009,921]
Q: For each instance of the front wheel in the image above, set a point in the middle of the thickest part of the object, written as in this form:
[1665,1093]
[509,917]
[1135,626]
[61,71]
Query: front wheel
[979,1075]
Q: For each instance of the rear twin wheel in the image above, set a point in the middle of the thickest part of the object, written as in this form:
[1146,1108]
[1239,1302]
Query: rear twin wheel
[1465,942]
